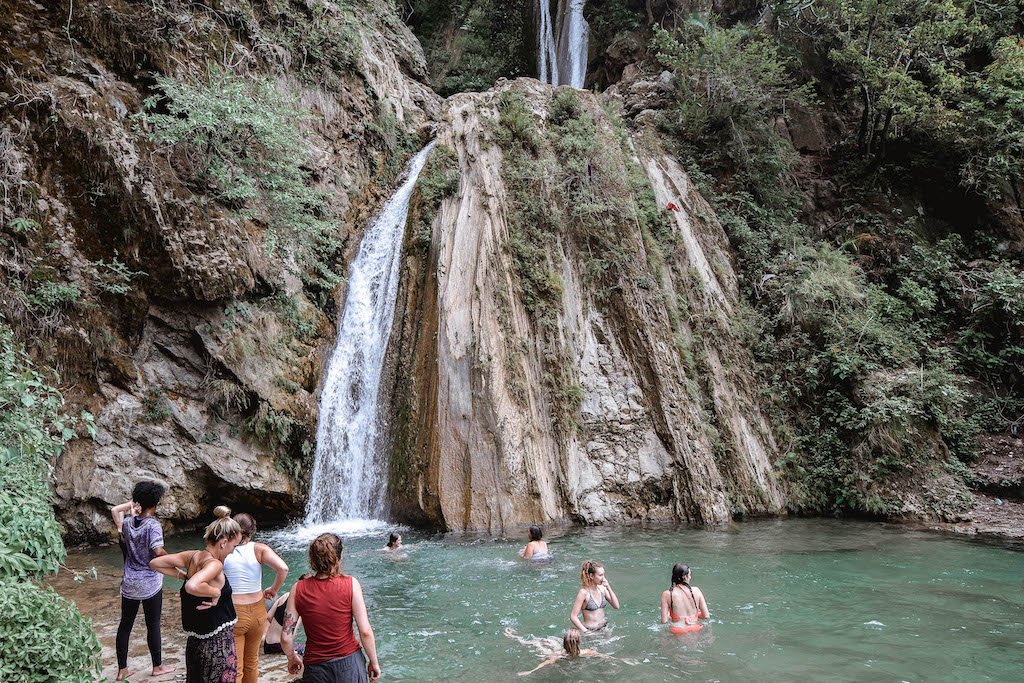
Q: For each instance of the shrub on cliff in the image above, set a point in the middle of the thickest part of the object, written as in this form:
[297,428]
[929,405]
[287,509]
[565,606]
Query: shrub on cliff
[44,637]
[238,141]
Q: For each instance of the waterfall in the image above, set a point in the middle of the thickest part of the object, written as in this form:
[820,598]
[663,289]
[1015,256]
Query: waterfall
[564,43]
[548,52]
[348,475]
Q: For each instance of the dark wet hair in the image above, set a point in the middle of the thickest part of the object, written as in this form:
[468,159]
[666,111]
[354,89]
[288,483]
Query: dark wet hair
[393,539]
[325,555]
[680,572]
[536,533]
[247,523]
[148,494]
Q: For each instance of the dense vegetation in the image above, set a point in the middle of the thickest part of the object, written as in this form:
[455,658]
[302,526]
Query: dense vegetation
[891,336]
[44,636]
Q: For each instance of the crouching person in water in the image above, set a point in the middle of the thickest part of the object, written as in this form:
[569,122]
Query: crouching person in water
[328,601]
[682,604]
[537,548]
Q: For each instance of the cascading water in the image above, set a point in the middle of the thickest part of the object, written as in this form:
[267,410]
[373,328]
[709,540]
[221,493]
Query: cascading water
[548,53]
[348,480]
[564,43]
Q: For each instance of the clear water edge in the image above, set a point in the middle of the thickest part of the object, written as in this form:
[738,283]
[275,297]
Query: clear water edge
[790,600]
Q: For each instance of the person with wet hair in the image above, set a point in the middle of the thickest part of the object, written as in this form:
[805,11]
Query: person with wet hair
[592,598]
[537,547]
[141,539]
[394,543]
[682,604]
[328,601]
[207,612]
[552,650]
[244,571]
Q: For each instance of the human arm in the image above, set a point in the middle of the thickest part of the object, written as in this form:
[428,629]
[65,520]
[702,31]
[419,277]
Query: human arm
[702,605]
[613,599]
[527,551]
[577,605]
[199,584]
[365,631]
[550,660]
[266,556]
[666,608]
[118,513]
[174,565]
[291,623]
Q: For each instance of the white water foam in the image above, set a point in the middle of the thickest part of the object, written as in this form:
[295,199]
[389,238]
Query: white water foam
[349,473]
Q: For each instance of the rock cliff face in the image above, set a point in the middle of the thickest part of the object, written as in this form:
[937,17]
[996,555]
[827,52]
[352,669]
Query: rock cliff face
[202,372]
[634,404]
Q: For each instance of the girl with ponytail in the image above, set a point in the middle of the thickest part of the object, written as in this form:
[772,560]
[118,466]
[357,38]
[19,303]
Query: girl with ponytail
[595,594]
[683,604]
[207,612]
[327,601]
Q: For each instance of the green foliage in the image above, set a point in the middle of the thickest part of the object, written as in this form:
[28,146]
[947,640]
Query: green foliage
[947,74]
[730,84]
[270,426]
[239,141]
[322,37]
[49,295]
[469,44]
[112,277]
[439,179]
[45,638]
[155,406]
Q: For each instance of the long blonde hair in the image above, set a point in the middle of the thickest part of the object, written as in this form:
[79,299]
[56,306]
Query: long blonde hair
[223,527]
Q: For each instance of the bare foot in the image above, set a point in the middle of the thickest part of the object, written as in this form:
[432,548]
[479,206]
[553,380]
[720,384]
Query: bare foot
[123,674]
[162,669]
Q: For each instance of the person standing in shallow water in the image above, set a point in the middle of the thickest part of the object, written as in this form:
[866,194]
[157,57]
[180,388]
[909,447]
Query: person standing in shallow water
[682,604]
[141,539]
[591,600]
[207,613]
[244,571]
[328,601]
[537,548]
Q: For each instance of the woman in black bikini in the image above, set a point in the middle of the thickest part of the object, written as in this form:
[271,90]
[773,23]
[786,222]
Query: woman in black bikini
[592,598]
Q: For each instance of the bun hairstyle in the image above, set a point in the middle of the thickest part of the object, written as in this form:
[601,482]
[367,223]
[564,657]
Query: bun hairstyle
[680,575]
[325,555]
[223,527]
[571,642]
[247,524]
[536,533]
[588,571]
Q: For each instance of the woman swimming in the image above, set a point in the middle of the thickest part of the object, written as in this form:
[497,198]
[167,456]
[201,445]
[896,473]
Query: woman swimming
[683,604]
[537,548]
[552,650]
[394,543]
[592,598]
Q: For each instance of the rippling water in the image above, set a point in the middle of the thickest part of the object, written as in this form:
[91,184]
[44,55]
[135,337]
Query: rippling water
[790,600]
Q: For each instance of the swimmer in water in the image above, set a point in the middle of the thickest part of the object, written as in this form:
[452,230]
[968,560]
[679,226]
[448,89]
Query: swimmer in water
[592,598]
[682,604]
[537,548]
[552,650]
[394,543]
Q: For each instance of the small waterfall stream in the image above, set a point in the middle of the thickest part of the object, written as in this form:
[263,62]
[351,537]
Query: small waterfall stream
[348,472]
[564,43]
